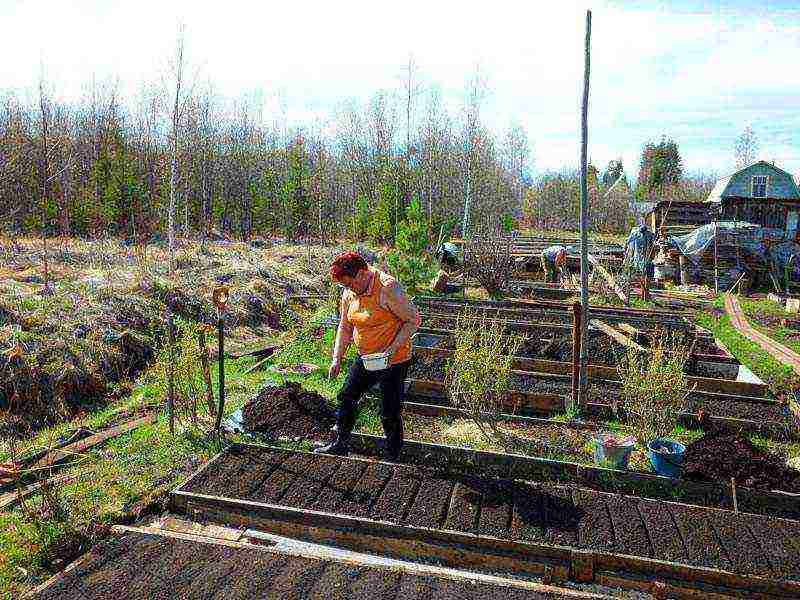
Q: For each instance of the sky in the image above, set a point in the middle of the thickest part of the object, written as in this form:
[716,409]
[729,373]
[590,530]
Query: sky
[698,72]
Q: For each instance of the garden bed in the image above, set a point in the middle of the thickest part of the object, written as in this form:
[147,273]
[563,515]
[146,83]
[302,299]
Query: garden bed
[531,522]
[143,565]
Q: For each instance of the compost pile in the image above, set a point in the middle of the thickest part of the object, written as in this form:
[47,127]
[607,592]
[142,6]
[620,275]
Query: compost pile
[289,411]
[718,456]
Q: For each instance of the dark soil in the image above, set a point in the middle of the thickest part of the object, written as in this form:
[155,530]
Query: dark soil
[289,411]
[721,456]
[142,567]
[538,512]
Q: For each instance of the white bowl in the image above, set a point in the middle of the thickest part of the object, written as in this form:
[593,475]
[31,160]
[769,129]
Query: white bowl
[376,362]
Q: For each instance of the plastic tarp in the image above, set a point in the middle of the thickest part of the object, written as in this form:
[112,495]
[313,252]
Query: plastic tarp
[638,248]
[767,243]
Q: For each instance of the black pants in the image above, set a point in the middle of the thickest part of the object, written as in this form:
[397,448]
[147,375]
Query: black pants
[359,381]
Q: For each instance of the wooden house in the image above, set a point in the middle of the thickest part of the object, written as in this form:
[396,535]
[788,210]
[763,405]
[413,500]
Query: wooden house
[761,194]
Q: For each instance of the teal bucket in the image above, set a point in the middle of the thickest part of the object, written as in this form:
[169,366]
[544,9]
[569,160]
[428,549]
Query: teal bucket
[666,456]
[613,455]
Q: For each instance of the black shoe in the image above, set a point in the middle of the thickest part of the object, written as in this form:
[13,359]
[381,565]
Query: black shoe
[391,455]
[337,448]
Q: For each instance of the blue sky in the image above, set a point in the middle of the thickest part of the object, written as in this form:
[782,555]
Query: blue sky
[696,71]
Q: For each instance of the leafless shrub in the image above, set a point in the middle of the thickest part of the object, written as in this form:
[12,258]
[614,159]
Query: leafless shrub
[487,259]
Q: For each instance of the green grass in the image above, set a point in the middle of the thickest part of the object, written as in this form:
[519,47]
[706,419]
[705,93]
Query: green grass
[777,375]
[140,467]
[758,309]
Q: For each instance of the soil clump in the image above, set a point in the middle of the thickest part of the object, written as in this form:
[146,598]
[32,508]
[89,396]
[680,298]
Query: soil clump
[289,411]
[718,456]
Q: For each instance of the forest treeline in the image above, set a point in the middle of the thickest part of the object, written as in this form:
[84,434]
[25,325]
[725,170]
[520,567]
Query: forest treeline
[110,165]
[103,165]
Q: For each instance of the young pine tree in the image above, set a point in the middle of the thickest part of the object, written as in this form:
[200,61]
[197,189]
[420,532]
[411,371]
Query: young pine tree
[410,260]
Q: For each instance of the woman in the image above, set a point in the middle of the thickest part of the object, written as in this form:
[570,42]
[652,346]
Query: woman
[376,314]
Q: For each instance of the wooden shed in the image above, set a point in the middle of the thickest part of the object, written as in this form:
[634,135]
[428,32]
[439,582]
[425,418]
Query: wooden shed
[761,194]
[675,217]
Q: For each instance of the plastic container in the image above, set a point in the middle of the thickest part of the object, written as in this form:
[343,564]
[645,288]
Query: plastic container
[666,456]
[612,451]
[376,362]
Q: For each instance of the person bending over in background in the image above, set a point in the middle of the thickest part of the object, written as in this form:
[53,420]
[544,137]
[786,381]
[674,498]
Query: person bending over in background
[378,316]
[554,258]
[450,277]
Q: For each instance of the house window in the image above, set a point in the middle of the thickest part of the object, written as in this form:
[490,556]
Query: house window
[760,186]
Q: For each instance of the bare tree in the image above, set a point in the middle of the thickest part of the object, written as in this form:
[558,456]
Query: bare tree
[746,148]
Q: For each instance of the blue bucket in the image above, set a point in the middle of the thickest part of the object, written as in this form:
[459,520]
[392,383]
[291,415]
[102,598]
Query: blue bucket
[612,455]
[666,456]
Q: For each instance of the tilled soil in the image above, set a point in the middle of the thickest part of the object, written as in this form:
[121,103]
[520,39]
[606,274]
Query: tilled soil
[547,513]
[139,566]
[719,456]
[289,411]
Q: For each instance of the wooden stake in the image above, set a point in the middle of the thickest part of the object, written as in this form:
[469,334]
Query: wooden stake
[171,370]
[733,494]
[204,360]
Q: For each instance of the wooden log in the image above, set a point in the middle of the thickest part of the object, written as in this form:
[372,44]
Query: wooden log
[58,456]
[11,499]
[616,335]
[608,277]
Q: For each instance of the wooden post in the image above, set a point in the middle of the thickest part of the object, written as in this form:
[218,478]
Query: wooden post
[201,340]
[576,351]
[171,369]
[221,362]
[584,211]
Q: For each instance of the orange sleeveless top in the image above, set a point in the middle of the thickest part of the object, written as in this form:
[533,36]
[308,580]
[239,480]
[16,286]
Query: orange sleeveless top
[375,327]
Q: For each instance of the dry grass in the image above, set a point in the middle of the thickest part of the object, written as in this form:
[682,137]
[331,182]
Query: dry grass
[76,333]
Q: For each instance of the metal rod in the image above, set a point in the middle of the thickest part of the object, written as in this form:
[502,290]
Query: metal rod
[221,360]
[584,213]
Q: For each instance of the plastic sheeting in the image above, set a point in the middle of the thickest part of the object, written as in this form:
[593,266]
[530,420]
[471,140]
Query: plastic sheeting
[638,248]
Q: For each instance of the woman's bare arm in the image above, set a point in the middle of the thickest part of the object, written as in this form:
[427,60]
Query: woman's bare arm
[344,333]
[396,300]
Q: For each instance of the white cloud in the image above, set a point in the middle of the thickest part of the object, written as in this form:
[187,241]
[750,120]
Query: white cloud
[696,76]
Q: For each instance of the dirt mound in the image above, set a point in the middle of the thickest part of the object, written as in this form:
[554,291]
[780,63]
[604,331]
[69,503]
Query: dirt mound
[719,456]
[289,411]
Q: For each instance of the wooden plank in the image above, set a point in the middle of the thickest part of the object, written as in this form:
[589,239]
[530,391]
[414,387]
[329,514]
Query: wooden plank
[57,456]
[536,402]
[616,335]
[608,277]
[11,499]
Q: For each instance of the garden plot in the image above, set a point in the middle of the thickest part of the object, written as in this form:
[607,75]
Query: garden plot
[142,565]
[519,524]
[535,392]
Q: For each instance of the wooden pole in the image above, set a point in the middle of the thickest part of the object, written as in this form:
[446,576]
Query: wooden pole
[171,369]
[576,352]
[584,215]
[201,340]
[221,362]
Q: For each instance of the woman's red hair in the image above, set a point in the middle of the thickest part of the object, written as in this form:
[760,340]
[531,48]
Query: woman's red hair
[347,264]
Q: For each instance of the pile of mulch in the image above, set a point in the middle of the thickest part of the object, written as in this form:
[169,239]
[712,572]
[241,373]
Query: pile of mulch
[718,456]
[289,411]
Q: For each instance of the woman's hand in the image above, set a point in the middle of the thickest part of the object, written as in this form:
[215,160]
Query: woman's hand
[335,368]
